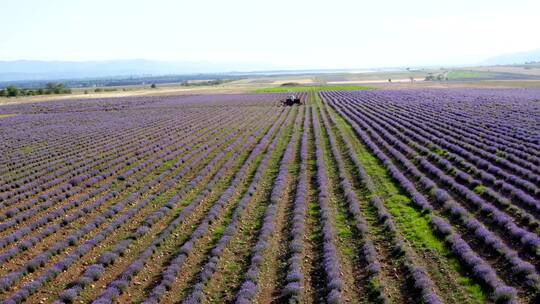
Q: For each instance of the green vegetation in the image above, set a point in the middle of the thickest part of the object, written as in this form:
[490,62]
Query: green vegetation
[51,88]
[285,89]
[214,82]
[440,151]
[240,245]
[10,91]
[6,115]
[456,75]
[479,189]
[413,224]
[436,77]
[98,90]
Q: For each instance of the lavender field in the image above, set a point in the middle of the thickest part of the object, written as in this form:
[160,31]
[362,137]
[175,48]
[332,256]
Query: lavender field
[399,196]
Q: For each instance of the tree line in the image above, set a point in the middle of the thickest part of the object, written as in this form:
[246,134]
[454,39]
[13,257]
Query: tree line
[50,88]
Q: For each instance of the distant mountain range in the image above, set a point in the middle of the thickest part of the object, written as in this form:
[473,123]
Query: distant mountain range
[35,70]
[42,70]
[514,58]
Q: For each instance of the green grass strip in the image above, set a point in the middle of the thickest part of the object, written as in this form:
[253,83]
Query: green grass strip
[412,224]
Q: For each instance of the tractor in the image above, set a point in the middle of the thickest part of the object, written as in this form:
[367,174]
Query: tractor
[291,100]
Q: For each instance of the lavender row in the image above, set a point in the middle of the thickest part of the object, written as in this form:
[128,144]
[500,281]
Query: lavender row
[475,114]
[72,178]
[477,143]
[108,258]
[485,169]
[103,120]
[461,176]
[196,295]
[334,283]
[373,266]
[232,108]
[453,145]
[89,148]
[520,267]
[119,121]
[145,140]
[170,272]
[71,240]
[418,274]
[172,149]
[54,161]
[72,217]
[249,287]
[40,260]
[456,136]
[517,166]
[79,179]
[448,129]
[469,258]
[50,273]
[527,239]
[488,133]
[295,277]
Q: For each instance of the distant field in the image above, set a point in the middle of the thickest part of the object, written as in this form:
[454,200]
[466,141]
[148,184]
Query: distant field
[531,70]
[481,77]
[313,88]
[455,75]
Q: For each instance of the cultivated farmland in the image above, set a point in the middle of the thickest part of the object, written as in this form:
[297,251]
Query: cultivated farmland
[404,196]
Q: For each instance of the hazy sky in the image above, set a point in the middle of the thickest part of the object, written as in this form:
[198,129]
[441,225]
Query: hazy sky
[278,33]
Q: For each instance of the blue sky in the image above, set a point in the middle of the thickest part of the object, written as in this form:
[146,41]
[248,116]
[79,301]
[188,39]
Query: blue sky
[280,34]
